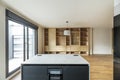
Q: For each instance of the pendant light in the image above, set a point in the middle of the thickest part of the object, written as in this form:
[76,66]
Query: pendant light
[67,32]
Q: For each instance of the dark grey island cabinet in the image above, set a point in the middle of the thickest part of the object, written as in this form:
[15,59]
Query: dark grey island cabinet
[57,67]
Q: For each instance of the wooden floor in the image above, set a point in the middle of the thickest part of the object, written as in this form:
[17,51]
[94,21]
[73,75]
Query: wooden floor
[101,67]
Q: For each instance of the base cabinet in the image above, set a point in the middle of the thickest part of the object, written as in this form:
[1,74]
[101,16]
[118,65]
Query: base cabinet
[38,72]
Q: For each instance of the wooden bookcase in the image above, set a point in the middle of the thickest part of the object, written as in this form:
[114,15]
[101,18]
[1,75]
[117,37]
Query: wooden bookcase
[55,42]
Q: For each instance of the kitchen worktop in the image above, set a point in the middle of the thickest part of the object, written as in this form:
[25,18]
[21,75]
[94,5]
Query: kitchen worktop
[56,59]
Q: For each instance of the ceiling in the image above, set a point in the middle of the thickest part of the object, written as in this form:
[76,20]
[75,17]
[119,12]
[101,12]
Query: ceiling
[54,13]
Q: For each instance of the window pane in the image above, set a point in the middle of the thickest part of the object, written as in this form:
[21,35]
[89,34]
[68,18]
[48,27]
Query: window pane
[26,43]
[15,45]
[31,41]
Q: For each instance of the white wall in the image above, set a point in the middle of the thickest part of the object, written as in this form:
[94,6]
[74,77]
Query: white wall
[2,42]
[102,40]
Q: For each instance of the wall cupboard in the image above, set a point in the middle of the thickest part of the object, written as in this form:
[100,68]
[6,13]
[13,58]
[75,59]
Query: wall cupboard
[76,43]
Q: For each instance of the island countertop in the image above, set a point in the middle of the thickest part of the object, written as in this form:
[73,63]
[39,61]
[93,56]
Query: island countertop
[70,59]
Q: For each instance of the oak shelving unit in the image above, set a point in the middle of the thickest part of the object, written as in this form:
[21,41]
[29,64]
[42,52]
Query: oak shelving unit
[56,42]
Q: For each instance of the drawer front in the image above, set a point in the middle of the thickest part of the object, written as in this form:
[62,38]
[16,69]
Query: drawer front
[75,48]
[46,48]
[84,48]
[34,73]
[60,48]
[75,73]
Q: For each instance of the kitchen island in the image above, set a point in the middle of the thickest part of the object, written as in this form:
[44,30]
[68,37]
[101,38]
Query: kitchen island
[55,67]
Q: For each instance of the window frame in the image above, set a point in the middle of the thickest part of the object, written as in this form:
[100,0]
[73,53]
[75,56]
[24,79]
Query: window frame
[15,18]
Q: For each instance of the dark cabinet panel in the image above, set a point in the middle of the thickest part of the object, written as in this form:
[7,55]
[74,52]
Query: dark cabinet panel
[75,73]
[34,73]
[117,41]
[116,46]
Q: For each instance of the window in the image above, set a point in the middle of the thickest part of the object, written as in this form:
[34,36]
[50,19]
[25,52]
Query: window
[21,41]
[16,45]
